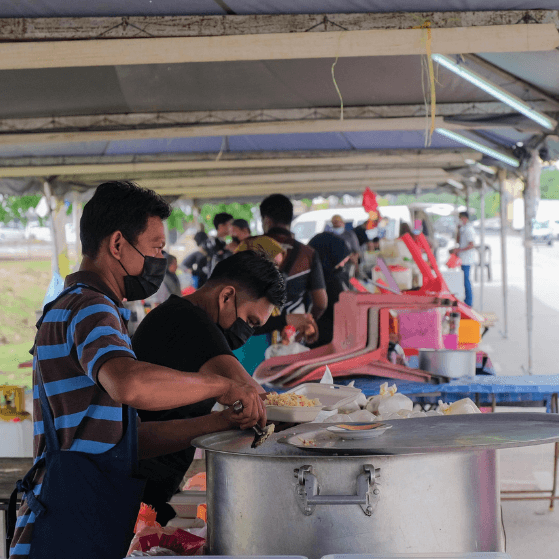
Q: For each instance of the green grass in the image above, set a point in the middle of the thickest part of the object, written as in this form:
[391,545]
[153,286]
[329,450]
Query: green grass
[23,285]
[10,357]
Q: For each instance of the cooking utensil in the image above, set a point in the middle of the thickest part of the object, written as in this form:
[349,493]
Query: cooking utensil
[260,434]
[451,363]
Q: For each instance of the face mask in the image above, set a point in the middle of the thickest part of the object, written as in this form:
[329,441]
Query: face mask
[238,333]
[148,282]
[338,230]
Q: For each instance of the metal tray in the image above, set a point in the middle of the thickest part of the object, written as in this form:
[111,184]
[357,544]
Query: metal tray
[407,436]
[435,434]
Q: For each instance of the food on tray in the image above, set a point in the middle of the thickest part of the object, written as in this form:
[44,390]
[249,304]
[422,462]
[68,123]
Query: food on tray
[307,442]
[291,400]
[360,427]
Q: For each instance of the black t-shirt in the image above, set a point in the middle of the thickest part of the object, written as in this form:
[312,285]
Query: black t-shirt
[179,335]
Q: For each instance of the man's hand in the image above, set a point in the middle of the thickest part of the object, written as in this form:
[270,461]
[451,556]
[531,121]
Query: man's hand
[254,409]
[305,325]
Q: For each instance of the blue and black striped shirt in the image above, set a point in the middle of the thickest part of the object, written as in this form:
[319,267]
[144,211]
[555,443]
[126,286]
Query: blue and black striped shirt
[83,330]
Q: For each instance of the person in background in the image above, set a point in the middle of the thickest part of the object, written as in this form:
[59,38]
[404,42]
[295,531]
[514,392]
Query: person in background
[370,256]
[240,230]
[301,267]
[349,236]
[466,251]
[171,284]
[199,332]
[334,255]
[216,247]
[196,263]
[83,502]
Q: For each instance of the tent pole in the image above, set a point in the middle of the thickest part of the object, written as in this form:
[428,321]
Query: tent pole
[482,243]
[54,237]
[531,191]
[504,225]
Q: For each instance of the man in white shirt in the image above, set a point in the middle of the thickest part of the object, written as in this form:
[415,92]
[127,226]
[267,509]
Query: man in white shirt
[466,252]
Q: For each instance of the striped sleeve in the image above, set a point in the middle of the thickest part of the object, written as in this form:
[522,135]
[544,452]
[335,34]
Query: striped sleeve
[99,334]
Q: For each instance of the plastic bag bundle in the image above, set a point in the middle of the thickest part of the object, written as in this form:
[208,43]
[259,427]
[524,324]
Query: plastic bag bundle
[338,418]
[385,392]
[363,416]
[394,404]
[461,407]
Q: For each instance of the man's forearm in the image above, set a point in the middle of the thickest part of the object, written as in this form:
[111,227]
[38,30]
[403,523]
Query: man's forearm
[152,387]
[156,438]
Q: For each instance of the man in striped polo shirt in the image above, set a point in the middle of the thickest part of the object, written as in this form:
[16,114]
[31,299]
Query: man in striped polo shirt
[84,360]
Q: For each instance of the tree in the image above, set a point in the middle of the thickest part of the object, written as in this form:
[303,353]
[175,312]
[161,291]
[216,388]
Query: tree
[16,207]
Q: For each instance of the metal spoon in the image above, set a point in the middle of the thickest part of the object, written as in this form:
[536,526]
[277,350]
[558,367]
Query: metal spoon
[260,434]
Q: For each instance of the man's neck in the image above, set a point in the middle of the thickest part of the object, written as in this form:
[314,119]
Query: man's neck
[90,265]
[201,299]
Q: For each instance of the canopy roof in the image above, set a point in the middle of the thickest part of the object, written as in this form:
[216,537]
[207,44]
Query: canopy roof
[242,101]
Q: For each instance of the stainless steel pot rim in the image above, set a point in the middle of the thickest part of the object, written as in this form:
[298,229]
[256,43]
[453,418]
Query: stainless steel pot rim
[407,437]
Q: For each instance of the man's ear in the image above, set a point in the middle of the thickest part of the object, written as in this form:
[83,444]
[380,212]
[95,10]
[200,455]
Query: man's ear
[116,241]
[227,293]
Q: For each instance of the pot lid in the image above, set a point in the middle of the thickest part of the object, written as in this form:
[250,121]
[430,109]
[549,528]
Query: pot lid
[407,436]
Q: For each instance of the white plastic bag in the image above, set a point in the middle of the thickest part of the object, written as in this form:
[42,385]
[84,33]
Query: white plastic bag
[338,418]
[461,407]
[385,392]
[394,404]
[362,416]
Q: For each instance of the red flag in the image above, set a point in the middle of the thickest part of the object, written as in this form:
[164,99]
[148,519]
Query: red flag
[369,200]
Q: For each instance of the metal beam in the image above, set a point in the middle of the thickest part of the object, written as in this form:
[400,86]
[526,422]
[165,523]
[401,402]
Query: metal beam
[126,121]
[118,167]
[284,178]
[305,187]
[34,29]
[275,46]
[235,129]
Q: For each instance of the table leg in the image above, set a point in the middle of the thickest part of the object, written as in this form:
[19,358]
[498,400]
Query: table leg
[554,409]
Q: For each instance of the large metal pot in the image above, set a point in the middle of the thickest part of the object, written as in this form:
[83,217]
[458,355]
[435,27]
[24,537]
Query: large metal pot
[428,503]
[424,486]
[448,362]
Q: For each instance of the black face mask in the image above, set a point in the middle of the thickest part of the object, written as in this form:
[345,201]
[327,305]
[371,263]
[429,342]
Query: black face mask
[148,282]
[238,333]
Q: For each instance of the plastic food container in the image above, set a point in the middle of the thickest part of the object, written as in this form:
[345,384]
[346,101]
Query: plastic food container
[185,503]
[331,396]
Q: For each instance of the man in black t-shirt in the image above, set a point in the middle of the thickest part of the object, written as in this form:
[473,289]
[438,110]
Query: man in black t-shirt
[198,333]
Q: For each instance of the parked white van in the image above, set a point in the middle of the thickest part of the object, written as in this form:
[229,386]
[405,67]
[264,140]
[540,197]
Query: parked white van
[309,224]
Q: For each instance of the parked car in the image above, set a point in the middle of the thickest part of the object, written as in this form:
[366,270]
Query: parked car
[542,232]
[491,224]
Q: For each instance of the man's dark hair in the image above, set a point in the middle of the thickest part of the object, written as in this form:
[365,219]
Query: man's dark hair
[118,206]
[222,218]
[253,272]
[278,208]
[464,214]
[242,224]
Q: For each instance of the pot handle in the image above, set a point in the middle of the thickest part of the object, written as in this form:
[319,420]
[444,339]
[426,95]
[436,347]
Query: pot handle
[308,491]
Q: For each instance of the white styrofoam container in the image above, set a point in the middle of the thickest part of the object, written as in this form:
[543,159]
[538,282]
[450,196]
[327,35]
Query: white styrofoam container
[331,396]
[471,555]
[185,503]
[293,414]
